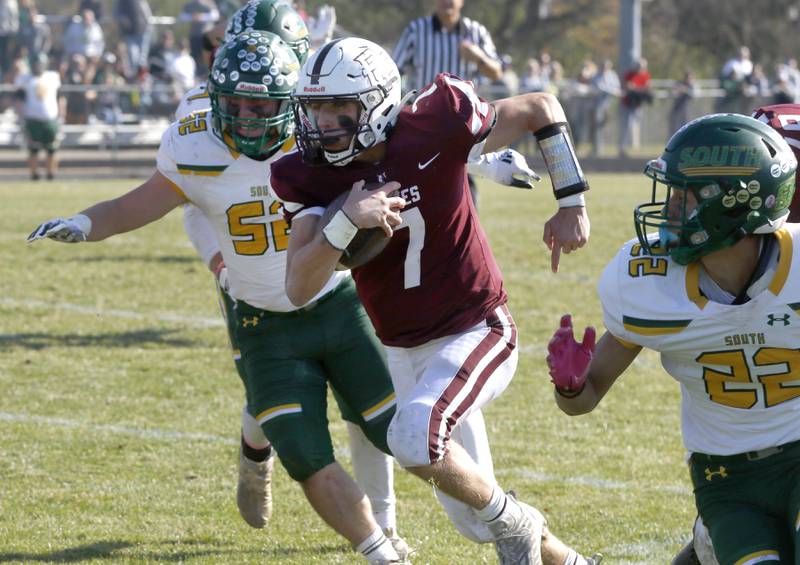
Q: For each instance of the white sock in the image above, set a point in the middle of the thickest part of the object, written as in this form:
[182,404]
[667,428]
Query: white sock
[377,548]
[251,432]
[374,474]
[496,506]
[574,558]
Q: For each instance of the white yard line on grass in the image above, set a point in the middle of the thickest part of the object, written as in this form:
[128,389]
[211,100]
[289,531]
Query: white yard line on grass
[153,433]
[194,321]
[593,482]
[143,433]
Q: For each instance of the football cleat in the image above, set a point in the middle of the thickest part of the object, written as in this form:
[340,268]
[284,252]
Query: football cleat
[518,533]
[595,559]
[254,491]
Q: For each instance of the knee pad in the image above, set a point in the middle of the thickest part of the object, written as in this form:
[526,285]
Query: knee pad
[408,435]
[299,458]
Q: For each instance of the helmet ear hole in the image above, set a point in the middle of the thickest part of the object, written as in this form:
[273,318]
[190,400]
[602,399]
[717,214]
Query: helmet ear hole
[770,148]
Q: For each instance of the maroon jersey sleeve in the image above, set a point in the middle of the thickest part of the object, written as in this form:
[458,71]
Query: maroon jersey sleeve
[458,111]
[291,180]
[785,118]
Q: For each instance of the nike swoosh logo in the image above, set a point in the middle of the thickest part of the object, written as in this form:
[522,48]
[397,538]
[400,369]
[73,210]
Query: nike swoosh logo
[423,165]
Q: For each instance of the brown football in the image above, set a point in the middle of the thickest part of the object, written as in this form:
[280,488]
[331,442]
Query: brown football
[366,244]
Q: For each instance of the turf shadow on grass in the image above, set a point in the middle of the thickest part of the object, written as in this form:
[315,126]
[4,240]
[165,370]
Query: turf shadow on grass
[111,258]
[135,338]
[96,550]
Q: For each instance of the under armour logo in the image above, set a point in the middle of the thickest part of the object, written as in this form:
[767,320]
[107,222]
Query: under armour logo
[252,321]
[772,318]
[722,472]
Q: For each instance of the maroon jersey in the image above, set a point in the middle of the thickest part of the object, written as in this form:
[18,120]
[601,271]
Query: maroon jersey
[437,276]
[785,118]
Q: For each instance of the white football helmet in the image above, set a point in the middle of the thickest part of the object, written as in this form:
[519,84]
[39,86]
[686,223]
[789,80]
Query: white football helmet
[347,69]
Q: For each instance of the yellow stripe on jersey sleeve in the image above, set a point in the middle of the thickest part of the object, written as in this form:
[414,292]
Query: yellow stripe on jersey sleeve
[201,170]
[625,343]
[176,188]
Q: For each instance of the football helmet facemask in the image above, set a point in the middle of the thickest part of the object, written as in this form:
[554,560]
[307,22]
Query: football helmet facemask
[276,16]
[254,67]
[344,70]
[740,173]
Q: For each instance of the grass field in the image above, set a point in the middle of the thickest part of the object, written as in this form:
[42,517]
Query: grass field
[119,406]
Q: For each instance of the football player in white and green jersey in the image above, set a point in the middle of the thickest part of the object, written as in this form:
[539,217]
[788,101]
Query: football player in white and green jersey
[712,282]
[219,161]
[373,470]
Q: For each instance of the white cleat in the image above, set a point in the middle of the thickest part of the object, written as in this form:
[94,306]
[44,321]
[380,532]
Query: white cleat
[254,491]
[519,534]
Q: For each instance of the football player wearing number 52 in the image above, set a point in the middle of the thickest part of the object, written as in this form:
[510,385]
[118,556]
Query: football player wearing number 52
[435,293]
[712,283]
[219,161]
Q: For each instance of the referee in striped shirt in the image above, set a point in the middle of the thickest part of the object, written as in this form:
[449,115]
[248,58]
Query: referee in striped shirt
[446,42]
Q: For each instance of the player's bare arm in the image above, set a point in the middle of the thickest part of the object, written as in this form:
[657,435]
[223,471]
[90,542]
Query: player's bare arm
[141,206]
[522,115]
[314,250]
[144,204]
[533,113]
[310,260]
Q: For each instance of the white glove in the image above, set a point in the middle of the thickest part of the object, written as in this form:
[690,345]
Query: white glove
[65,230]
[320,29]
[507,167]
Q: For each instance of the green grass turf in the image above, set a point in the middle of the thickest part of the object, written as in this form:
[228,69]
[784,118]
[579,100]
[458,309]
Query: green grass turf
[119,405]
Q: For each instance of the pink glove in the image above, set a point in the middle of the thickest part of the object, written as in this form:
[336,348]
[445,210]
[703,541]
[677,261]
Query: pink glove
[569,360]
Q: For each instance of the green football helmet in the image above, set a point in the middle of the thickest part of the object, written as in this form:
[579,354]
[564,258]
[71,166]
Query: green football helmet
[276,16]
[738,170]
[249,87]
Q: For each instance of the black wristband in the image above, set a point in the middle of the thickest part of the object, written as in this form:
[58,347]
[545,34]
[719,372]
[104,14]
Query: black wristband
[570,393]
[566,174]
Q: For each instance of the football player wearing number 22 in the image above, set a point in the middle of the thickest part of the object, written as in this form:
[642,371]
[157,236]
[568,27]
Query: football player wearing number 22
[435,293]
[712,284]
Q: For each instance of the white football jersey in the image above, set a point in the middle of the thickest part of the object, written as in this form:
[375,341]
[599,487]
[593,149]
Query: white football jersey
[738,366]
[234,193]
[194,100]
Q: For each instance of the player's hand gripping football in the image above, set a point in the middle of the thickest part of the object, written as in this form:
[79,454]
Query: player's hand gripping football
[65,230]
[374,208]
[569,360]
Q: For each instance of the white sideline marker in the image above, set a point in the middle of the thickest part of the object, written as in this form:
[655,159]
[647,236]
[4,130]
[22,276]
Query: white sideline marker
[143,433]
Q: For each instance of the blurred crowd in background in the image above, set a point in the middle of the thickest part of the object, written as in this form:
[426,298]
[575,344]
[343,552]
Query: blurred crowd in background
[122,65]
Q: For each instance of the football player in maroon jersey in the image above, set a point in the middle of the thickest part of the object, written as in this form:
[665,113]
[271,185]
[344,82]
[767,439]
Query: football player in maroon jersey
[435,294]
[785,118]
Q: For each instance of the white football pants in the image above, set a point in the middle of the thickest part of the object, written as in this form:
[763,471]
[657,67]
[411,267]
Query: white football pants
[441,387]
